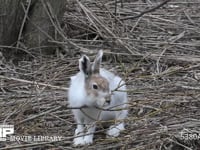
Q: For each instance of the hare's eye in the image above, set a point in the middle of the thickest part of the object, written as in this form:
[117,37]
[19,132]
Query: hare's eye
[95,86]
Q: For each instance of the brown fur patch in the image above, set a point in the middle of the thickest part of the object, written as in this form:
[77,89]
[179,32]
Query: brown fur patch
[101,82]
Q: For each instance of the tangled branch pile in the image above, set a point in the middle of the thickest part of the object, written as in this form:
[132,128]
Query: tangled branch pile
[157,54]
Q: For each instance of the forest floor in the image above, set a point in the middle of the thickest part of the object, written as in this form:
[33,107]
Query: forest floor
[157,54]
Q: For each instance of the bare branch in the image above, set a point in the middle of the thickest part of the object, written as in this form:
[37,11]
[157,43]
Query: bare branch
[146,11]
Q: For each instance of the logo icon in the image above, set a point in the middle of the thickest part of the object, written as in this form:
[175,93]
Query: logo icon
[6,130]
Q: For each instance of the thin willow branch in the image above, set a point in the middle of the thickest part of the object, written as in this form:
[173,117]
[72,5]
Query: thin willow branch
[146,11]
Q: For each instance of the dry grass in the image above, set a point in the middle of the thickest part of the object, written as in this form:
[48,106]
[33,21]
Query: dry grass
[157,54]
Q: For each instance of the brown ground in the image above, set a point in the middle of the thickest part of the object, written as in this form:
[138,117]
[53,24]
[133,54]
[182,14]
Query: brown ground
[157,54]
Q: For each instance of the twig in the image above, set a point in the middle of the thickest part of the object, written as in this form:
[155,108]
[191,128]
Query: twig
[11,47]
[146,11]
[39,115]
[33,82]
[59,107]
[178,143]
[173,40]
[58,28]
[23,22]
[106,29]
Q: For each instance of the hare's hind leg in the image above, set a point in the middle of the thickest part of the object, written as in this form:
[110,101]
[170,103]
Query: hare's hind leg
[115,129]
[121,102]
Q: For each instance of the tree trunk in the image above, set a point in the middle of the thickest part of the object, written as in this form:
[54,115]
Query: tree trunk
[31,29]
[11,16]
[40,29]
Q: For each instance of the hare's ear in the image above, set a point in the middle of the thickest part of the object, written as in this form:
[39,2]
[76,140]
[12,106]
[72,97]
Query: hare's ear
[97,62]
[85,65]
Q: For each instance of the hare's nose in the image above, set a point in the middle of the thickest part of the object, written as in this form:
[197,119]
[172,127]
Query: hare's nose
[108,99]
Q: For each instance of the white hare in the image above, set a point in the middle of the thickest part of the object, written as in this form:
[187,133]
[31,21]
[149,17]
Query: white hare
[92,87]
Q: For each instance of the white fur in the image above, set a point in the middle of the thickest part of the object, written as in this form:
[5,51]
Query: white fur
[86,117]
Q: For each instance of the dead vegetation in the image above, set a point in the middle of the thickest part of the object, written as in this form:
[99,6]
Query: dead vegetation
[156,53]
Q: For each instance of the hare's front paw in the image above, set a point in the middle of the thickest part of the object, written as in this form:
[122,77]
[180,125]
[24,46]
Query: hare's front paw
[114,130]
[78,141]
[88,139]
[83,140]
